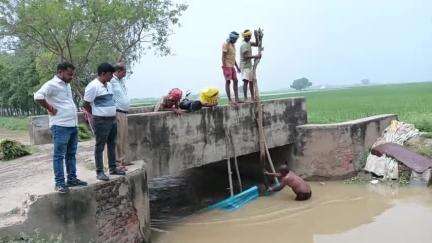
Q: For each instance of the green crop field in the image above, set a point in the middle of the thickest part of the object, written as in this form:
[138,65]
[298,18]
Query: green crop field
[412,102]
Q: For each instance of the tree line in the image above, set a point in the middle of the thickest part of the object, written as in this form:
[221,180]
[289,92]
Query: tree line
[37,34]
[18,80]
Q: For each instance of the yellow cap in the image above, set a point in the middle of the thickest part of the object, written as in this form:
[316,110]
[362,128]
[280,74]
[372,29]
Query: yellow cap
[247,34]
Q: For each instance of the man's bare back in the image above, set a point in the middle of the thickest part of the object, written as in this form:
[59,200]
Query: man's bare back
[298,185]
[289,178]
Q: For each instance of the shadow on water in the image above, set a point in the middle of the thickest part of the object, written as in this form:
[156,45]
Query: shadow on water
[174,197]
[177,196]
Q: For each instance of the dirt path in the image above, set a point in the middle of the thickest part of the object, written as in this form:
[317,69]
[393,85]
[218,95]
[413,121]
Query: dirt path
[20,136]
[33,175]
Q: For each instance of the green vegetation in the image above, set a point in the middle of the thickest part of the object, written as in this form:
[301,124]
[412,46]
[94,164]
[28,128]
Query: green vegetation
[10,149]
[83,132]
[37,34]
[18,81]
[410,101]
[14,123]
[301,83]
[424,124]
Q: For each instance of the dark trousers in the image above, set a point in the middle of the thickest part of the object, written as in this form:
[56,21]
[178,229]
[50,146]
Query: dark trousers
[106,133]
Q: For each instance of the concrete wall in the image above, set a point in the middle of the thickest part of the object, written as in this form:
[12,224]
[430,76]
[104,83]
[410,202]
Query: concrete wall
[114,211]
[170,143]
[336,151]
[40,133]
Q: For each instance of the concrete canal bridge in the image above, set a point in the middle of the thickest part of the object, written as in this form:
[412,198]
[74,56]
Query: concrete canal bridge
[162,143]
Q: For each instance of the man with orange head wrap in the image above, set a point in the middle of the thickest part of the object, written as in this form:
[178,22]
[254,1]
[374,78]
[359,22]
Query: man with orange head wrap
[170,102]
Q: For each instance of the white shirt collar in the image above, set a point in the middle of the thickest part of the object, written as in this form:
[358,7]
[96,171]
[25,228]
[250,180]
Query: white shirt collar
[100,83]
[116,78]
[58,80]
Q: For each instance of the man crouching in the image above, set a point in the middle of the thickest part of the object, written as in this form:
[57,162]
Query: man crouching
[289,178]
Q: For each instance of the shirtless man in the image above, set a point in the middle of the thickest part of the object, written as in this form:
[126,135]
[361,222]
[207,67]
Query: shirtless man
[288,178]
[229,67]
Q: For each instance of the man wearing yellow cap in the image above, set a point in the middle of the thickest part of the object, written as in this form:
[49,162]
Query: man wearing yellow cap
[246,63]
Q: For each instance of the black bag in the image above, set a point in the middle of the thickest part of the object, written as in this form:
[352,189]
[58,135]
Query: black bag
[190,105]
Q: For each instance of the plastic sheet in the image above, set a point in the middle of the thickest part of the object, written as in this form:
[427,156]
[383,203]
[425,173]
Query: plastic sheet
[237,201]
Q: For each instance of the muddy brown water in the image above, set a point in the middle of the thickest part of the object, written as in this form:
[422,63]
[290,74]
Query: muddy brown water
[336,213]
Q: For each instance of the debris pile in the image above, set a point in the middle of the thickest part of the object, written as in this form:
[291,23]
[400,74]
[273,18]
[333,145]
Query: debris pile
[390,159]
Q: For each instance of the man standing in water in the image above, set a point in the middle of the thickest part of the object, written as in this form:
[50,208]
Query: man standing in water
[288,178]
[246,63]
[228,64]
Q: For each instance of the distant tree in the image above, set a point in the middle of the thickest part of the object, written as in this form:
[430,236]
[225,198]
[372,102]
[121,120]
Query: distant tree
[301,83]
[87,33]
[365,81]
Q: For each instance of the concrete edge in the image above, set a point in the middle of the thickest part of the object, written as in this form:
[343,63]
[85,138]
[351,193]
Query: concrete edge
[348,123]
[240,105]
[26,208]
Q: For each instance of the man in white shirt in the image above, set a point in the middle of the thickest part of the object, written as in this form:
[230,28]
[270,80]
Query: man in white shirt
[99,101]
[122,103]
[56,96]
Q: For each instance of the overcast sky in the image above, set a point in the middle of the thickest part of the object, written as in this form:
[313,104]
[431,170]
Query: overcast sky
[328,41]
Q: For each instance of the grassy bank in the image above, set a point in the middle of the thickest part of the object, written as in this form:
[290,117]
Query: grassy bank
[14,123]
